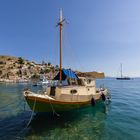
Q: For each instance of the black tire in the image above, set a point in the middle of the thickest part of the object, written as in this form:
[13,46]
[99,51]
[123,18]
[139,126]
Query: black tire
[93,102]
[103,97]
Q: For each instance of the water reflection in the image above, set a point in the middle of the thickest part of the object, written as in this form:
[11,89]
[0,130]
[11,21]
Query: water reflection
[73,124]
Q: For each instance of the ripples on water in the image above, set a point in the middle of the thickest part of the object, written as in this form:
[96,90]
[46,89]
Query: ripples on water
[119,120]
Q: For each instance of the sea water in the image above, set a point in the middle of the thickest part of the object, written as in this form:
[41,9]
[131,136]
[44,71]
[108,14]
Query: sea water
[117,120]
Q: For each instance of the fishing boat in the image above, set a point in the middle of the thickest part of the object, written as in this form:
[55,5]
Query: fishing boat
[68,91]
[122,77]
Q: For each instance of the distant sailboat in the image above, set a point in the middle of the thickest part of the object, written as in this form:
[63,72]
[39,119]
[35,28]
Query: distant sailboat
[123,77]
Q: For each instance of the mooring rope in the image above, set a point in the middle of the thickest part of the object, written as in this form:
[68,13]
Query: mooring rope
[28,121]
[13,103]
[5,106]
[54,112]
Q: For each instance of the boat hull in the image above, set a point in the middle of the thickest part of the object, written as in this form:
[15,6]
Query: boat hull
[45,103]
[125,78]
[39,105]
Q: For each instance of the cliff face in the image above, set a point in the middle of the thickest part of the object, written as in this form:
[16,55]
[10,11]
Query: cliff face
[14,68]
[98,75]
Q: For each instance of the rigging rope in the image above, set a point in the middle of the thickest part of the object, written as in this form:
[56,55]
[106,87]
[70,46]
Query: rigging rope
[71,52]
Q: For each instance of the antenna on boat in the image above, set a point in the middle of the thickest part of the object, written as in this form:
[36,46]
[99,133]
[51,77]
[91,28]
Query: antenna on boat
[60,24]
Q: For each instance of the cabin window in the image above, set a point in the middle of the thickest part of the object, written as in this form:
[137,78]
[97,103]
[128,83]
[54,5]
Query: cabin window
[88,81]
[80,82]
[72,82]
[73,91]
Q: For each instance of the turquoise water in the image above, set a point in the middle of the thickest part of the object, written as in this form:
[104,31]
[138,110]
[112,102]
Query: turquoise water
[119,120]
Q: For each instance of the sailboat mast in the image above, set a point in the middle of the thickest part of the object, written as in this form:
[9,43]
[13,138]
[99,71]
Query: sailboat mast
[121,71]
[60,30]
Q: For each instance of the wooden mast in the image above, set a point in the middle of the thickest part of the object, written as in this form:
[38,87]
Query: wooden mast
[60,30]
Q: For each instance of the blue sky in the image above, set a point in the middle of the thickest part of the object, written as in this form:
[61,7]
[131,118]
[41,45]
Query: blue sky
[100,35]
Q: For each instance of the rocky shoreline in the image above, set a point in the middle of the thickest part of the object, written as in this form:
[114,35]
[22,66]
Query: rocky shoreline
[14,81]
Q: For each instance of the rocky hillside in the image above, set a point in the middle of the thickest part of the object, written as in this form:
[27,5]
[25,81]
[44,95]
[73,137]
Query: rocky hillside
[14,68]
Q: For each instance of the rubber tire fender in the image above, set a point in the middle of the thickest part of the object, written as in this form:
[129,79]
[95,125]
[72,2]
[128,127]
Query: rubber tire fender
[103,97]
[93,101]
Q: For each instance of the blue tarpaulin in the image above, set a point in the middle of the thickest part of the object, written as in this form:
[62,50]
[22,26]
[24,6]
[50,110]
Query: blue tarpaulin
[66,73]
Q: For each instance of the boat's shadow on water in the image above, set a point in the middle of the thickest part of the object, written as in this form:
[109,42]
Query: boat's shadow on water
[49,121]
[16,127]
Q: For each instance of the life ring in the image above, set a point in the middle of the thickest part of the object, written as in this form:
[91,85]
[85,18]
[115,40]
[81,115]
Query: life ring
[93,101]
[103,97]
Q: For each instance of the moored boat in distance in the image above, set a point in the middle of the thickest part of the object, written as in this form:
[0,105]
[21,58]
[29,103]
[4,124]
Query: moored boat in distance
[44,81]
[69,91]
[122,77]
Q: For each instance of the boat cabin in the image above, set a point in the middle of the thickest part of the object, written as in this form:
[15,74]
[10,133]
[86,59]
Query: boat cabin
[70,78]
[86,81]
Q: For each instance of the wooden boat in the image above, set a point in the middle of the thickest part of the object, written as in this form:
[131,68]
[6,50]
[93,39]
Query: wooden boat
[68,92]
